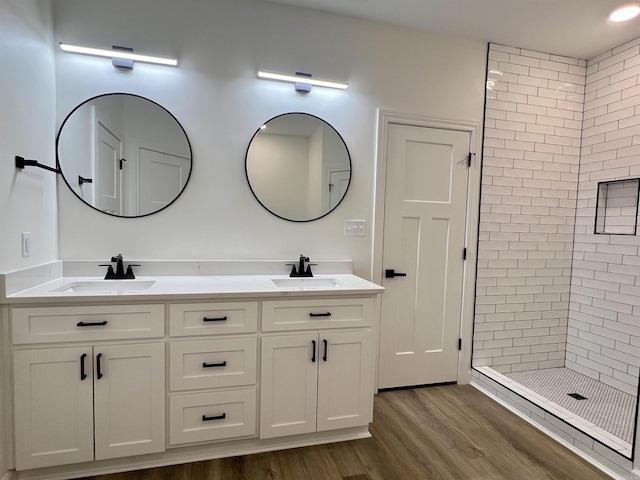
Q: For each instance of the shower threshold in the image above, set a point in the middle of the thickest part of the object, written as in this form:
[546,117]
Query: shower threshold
[538,388]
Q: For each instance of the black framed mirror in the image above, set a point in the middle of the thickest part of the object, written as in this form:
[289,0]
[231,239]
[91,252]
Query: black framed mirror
[124,155]
[298,167]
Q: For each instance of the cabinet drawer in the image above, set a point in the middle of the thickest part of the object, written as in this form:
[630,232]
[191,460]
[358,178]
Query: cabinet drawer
[86,323]
[315,314]
[212,318]
[220,362]
[203,417]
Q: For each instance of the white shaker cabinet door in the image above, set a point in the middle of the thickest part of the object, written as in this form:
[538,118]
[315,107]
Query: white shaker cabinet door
[129,400]
[53,398]
[289,385]
[345,380]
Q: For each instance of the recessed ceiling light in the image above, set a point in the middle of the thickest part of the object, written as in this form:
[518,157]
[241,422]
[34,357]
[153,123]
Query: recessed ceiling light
[625,12]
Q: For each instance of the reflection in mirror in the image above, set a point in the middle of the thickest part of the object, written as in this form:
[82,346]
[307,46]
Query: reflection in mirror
[298,167]
[124,155]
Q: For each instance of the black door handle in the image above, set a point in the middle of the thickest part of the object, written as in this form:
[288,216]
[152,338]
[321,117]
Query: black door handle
[83,374]
[209,365]
[98,366]
[326,350]
[390,273]
[313,347]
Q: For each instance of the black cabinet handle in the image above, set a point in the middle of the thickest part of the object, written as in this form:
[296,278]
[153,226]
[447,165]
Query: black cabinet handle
[216,417]
[218,319]
[313,354]
[209,365]
[328,314]
[99,366]
[326,350]
[83,374]
[91,324]
[390,273]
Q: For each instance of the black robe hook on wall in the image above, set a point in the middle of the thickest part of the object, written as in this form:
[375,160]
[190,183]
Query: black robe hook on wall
[21,162]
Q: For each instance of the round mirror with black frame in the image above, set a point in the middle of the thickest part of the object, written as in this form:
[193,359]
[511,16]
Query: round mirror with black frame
[124,155]
[298,167]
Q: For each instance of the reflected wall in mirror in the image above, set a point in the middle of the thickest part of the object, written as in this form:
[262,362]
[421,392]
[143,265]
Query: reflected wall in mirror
[298,167]
[124,155]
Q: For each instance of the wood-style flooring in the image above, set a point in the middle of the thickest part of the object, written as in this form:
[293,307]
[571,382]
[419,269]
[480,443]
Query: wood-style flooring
[451,432]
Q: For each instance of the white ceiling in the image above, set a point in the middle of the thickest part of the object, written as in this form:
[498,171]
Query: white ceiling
[574,28]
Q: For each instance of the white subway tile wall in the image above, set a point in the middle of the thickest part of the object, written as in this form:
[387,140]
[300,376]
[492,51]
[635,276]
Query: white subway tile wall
[603,337]
[533,125]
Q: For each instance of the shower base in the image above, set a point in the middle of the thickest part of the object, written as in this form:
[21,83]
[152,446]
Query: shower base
[607,414]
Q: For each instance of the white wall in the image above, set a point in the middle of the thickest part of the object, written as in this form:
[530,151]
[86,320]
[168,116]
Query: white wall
[27,129]
[216,96]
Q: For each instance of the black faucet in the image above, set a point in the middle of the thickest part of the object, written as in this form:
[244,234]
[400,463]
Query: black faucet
[119,274]
[301,271]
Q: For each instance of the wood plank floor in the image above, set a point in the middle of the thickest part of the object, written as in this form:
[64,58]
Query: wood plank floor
[446,433]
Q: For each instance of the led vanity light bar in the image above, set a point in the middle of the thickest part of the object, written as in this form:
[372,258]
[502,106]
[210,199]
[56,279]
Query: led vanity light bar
[101,52]
[302,79]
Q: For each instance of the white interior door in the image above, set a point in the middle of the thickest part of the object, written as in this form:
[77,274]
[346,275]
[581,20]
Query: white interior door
[108,182]
[162,178]
[424,238]
[338,183]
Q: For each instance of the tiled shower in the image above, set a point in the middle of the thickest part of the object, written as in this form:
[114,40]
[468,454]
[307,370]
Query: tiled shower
[558,280]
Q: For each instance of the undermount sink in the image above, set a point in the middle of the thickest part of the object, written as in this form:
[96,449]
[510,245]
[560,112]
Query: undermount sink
[106,286]
[307,282]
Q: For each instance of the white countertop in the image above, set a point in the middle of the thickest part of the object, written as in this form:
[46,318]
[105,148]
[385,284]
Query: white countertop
[199,287]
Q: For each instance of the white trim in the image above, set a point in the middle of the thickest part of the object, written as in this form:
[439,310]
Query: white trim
[385,118]
[557,438]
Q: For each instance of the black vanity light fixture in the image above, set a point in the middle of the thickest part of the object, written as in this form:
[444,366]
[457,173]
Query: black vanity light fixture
[122,57]
[303,81]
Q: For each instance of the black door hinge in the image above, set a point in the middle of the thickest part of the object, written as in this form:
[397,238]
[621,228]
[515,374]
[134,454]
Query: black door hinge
[464,253]
[470,158]
[459,344]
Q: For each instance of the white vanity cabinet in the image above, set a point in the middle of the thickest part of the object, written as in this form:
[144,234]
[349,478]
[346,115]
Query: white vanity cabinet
[212,374]
[84,401]
[318,380]
[202,367]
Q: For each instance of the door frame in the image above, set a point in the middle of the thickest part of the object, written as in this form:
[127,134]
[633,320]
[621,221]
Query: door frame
[386,118]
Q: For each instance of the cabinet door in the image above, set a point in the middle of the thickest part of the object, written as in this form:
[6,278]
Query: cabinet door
[288,385]
[129,400]
[345,380]
[53,407]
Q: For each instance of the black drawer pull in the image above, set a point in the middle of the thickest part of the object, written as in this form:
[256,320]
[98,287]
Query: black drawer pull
[218,319]
[328,314]
[83,374]
[99,366]
[91,324]
[217,417]
[209,365]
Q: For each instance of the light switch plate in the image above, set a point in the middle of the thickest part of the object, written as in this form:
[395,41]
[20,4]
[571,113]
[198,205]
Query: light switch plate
[355,228]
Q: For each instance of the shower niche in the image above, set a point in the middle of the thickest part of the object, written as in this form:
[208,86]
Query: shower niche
[617,207]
